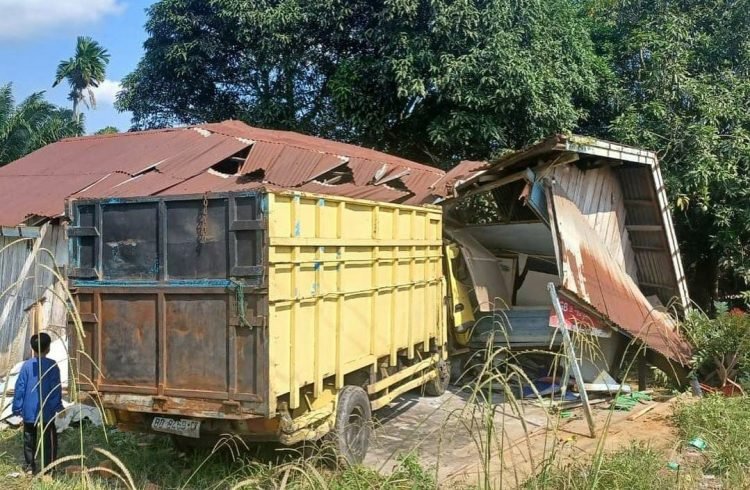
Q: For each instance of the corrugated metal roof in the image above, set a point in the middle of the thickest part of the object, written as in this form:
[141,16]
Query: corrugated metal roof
[179,160]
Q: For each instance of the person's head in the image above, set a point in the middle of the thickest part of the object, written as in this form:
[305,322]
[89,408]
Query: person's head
[40,343]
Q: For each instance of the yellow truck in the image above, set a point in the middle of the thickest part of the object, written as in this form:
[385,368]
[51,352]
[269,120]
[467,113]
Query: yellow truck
[272,315]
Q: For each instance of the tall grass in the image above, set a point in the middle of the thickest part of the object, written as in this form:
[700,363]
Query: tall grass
[490,386]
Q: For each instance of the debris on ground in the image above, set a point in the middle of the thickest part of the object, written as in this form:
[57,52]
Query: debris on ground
[75,413]
[628,401]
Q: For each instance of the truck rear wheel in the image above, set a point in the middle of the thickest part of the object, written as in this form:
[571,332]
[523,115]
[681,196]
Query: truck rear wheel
[353,425]
[437,386]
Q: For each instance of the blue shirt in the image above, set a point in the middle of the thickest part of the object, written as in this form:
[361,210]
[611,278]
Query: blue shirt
[29,395]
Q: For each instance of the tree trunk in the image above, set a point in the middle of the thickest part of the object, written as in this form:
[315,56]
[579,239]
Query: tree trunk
[704,285]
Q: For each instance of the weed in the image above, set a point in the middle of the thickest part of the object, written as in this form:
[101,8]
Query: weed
[724,423]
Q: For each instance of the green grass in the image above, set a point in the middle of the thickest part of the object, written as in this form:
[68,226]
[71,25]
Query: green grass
[153,459]
[636,467]
[724,423]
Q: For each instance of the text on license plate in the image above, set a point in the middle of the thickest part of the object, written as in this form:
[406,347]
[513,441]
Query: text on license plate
[180,427]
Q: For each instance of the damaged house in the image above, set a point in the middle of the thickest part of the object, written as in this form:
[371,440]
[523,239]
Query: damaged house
[587,215]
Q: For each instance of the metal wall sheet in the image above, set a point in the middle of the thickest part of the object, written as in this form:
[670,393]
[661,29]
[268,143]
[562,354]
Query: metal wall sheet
[527,238]
[591,274]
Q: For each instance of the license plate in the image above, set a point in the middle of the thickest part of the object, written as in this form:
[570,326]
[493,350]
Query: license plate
[180,427]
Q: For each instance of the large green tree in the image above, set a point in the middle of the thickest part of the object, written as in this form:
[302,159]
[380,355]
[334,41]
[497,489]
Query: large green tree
[681,72]
[433,80]
[84,71]
[31,124]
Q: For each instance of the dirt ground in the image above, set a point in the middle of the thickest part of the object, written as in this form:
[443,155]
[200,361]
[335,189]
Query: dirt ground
[451,436]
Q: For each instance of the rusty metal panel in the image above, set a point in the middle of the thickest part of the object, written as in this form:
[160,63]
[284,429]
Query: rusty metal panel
[128,344]
[590,274]
[196,342]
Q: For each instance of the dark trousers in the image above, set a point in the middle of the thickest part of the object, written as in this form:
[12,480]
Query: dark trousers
[48,444]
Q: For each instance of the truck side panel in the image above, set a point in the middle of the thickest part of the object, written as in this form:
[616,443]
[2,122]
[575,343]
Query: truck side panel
[350,282]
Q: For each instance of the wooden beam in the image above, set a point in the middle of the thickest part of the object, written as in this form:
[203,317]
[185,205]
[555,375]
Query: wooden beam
[654,285]
[645,228]
[646,248]
[641,202]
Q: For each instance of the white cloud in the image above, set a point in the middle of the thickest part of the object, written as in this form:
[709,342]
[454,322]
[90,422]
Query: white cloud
[106,92]
[20,19]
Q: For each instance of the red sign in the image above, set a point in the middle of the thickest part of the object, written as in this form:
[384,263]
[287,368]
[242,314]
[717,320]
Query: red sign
[578,320]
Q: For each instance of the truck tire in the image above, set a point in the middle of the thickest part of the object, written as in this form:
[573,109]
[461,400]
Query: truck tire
[351,435]
[437,386]
[190,445]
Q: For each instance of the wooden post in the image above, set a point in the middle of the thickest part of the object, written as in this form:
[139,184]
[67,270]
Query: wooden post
[642,372]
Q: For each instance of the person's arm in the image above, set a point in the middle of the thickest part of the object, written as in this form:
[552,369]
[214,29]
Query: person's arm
[19,392]
[55,396]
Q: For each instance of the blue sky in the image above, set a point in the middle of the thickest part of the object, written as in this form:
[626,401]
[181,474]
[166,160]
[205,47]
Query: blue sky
[36,34]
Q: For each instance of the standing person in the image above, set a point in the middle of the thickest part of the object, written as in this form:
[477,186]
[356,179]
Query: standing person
[38,402]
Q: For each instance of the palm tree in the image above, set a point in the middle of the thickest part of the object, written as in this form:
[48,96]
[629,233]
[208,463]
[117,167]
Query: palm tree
[31,124]
[84,71]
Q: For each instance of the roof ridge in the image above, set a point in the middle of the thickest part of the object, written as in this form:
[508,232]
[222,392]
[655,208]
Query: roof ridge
[90,137]
[410,163]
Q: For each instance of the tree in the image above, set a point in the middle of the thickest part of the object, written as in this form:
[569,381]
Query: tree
[107,130]
[682,87]
[429,80]
[84,71]
[31,124]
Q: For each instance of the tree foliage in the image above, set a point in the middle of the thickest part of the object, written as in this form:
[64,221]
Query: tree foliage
[440,80]
[84,71]
[107,130]
[431,80]
[683,88]
[31,124]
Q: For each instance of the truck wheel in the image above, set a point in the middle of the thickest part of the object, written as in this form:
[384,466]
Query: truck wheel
[190,445]
[353,425]
[437,386]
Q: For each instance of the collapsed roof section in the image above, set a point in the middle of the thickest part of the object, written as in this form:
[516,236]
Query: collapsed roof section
[217,157]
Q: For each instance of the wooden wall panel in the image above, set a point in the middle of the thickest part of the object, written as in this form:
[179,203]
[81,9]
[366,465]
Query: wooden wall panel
[598,195]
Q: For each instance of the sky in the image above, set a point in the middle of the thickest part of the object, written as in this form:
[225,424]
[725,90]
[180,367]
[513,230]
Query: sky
[35,35]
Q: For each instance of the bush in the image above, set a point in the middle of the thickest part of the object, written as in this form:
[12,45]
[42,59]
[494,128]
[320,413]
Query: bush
[721,345]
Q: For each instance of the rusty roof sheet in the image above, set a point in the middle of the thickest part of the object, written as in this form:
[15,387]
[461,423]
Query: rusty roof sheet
[464,170]
[289,166]
[180,160]
[591,274]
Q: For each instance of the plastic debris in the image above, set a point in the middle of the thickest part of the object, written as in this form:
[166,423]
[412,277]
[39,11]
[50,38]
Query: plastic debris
[698,443]
[628,401]
[76,412]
